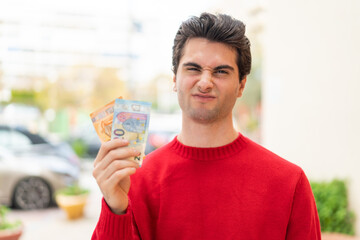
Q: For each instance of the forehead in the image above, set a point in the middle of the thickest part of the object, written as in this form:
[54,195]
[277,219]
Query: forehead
[208,53]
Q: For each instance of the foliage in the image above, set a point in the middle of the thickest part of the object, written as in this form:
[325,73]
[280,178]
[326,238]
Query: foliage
[4,223]
[28,97]
[23,96]
[73,190]
[80,147]
[332,204]
[79,86]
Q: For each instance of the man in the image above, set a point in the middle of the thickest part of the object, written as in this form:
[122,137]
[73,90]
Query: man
[210,182]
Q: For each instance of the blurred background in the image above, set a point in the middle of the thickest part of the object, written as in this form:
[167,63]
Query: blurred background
[61,60]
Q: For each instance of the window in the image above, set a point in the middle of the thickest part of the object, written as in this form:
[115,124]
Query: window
[14,140]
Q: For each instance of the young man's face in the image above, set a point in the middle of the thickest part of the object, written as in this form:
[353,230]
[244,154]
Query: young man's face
[207,81]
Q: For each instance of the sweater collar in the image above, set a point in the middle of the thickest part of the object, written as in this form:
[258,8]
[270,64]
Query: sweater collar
[208,154]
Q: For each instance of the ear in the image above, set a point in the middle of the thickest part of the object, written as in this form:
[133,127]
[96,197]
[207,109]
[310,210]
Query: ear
[242,86]
[174,80]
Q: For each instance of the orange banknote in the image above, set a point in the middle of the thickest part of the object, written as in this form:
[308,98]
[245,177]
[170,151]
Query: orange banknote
[102,120]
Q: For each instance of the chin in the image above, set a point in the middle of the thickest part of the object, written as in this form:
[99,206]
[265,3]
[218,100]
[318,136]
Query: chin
[204,116]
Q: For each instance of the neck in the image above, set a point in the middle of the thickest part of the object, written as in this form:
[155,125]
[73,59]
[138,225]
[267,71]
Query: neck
[207,135]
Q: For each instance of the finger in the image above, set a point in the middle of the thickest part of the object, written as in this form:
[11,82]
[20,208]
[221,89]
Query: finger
[108,146]
[117,176]
[103,174]
[123,153]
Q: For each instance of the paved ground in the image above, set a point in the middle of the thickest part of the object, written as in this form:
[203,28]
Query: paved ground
[335,236]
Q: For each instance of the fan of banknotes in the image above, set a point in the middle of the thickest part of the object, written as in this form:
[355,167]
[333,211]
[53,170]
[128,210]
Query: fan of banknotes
[125,119]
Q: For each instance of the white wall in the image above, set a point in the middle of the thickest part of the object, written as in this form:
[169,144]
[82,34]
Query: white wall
[311,90]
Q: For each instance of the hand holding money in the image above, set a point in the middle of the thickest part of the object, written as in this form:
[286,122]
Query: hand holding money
[122,126]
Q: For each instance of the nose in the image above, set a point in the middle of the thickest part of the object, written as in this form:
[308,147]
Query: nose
[205,83]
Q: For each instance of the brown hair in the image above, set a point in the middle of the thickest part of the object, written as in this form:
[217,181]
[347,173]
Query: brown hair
[218,28]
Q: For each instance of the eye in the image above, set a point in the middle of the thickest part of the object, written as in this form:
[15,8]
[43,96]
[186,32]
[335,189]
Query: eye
[221,72]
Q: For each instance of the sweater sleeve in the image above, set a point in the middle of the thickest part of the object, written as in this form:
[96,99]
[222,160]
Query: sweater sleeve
[113,226]
[304,220]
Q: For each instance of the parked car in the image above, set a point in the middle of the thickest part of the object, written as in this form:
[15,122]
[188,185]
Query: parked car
[28,180]
[20,140]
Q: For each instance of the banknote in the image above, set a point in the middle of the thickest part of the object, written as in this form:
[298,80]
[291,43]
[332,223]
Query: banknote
[102,120]
[131,122]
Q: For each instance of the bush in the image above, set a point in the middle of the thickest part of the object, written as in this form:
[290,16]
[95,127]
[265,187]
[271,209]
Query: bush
[332,205]
[72,190]
[4,223]
[79,147]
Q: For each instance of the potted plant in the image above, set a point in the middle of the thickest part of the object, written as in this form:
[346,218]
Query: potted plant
[9,230]
[72,200]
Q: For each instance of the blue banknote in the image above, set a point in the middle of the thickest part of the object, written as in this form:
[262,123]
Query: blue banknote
[131,122]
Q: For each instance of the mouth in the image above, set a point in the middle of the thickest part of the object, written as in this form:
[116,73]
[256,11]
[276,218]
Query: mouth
[203,97]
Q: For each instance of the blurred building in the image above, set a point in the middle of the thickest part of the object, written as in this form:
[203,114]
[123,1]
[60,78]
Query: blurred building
[64,51]
[40,39]
[69,49]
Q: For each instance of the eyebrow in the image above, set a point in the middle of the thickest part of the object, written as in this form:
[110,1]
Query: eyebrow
[224,67]
[192,64]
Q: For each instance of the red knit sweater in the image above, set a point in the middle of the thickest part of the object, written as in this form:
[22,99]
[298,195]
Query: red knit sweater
[237,191]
